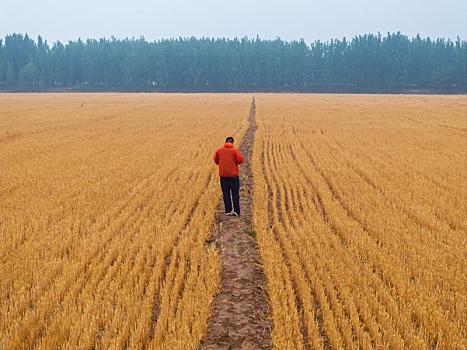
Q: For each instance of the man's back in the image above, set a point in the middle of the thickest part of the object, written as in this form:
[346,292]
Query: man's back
[228,158]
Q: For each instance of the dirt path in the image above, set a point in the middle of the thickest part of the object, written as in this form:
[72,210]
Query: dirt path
[240,312]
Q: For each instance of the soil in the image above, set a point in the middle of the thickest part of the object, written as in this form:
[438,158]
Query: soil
[241,316]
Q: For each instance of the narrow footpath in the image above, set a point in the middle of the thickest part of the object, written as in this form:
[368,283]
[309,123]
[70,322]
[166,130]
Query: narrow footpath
[240,316]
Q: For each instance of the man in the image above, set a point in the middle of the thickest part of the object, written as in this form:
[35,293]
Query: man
[228,158]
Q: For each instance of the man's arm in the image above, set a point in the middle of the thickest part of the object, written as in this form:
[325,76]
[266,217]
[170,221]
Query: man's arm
[216,158]
[239,157]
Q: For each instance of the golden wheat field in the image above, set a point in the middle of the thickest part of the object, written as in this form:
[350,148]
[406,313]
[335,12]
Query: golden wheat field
[105,204]
[107,200]
[361,213]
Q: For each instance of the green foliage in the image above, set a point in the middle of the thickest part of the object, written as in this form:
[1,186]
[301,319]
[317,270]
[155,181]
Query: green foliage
[10,79]
[29,74]
[367,63]
[251,233]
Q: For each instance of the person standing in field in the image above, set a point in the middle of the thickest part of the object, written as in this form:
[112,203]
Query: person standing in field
[228,158]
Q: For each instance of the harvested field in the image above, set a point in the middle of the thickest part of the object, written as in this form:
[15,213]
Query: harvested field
[361,219]
[105,204]
[353,231]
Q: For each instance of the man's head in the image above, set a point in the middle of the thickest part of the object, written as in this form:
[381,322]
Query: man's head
[229,139]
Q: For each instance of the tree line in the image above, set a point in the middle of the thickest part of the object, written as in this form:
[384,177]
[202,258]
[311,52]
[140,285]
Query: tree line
[366,63]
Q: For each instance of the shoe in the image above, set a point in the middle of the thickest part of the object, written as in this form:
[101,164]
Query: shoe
[235,214]
[229,214]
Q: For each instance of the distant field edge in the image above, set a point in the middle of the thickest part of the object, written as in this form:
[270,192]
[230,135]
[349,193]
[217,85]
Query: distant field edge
[389,91]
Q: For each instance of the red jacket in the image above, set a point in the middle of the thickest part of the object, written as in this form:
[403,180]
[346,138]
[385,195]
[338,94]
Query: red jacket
[228,158]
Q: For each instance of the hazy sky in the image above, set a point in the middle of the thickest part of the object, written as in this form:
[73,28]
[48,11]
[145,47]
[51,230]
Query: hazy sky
[289,19]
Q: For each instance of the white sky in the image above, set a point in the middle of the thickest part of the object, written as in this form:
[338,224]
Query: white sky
[289,19]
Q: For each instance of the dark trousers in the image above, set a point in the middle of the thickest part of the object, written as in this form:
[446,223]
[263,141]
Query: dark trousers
[231,186]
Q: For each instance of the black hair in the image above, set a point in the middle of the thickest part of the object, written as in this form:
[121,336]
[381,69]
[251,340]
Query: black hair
[229,139]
